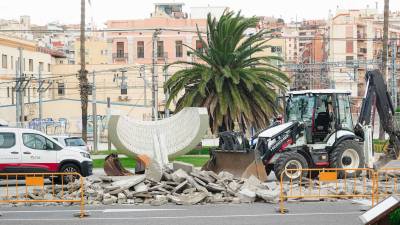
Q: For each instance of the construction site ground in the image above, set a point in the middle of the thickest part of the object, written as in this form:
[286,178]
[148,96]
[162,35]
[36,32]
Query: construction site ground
[343,212]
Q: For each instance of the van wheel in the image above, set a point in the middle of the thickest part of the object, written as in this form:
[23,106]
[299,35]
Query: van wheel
[68,168]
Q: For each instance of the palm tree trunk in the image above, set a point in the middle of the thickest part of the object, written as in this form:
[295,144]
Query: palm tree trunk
[83,81]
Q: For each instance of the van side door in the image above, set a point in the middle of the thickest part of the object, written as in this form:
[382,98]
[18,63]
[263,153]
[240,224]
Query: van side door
[39,153]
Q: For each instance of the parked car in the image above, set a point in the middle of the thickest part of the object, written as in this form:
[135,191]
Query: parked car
[30,151]
[72,141]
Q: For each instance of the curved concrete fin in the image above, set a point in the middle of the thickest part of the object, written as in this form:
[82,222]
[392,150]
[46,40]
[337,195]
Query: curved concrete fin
[178,134]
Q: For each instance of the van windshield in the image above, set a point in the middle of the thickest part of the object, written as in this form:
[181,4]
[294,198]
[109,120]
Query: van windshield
[75,141]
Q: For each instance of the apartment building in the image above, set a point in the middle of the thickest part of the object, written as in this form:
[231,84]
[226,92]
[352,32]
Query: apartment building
[134,43]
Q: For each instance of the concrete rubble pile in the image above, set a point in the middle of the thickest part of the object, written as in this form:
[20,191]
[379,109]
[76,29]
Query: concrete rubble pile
[182,185]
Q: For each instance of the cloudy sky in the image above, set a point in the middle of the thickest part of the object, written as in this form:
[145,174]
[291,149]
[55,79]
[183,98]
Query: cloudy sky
[67,11]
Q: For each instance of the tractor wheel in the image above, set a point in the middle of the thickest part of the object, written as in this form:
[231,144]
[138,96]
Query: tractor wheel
[347,155]
[289,166]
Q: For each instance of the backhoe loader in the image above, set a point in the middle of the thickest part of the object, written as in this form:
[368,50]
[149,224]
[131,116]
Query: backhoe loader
[317,132]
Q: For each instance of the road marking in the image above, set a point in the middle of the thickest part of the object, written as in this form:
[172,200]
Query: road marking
[93,210]
[187,217]
[136,210]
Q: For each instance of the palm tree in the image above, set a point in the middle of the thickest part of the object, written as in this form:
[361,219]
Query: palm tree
[83,81]
[233,82]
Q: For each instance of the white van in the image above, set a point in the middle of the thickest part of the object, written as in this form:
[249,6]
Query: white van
[30,151]
[71,141]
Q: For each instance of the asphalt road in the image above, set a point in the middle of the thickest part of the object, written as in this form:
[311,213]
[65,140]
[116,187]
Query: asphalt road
[309,213]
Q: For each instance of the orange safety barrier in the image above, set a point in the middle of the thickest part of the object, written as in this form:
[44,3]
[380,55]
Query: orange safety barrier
[387,183]
[324,183]
[16,191]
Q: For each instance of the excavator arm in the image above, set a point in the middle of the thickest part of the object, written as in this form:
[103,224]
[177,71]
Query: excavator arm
[376,92]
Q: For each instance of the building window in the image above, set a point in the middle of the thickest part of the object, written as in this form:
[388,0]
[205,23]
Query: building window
[160,49]
[12,62]
[199,46]
[4,61]
[349,46]
[41,66]
[349,61]
[120,49]
[61,89]
[140,49]
[276,49]
[178,49]
[30,65]
[48,67]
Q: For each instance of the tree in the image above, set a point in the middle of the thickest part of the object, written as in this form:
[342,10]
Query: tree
[83,80]
[233,82]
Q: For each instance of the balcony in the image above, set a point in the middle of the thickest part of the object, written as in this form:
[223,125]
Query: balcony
[120,57]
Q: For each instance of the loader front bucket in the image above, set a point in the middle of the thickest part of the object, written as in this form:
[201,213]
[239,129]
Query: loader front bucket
[239,163]
[113,167]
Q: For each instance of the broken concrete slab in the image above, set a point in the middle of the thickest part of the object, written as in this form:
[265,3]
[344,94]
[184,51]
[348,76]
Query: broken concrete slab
[196,185]
[187,167]
[189,199]
[223,175]
[179,176]
[159,200]
[154,171]
[204,177]
[180,186]
[252,183]
[199,181]
[141,187]
[270,196]
[247,196]
[129,182]
[214,187]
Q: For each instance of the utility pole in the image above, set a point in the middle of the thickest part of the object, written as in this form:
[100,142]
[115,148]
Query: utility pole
[142,72]
[83,80]
[94,108]
[19,90]
[17,97]
[40,95]
[384,53]
[108,119]
[166,109]
[154,82]
[394,77]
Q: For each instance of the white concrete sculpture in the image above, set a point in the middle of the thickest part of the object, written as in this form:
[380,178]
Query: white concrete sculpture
[160,139]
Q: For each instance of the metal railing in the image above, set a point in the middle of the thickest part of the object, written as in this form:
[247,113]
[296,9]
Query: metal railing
[387,183]
[327,185]
[29,192]
[371,184]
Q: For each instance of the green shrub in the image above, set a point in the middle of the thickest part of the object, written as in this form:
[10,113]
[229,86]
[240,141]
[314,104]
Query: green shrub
[394,217]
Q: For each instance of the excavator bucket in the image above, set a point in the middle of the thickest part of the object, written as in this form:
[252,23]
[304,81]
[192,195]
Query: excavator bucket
[113,167]
[239,163]
[142,163]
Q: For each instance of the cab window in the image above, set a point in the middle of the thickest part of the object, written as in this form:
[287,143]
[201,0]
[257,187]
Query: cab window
[38,142]
[7,140]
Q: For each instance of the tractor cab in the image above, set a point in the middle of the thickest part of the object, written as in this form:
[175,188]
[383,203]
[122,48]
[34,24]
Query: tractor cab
[323,112]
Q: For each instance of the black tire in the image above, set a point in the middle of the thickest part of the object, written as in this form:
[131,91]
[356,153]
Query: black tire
[68,168]
[354,154]
[296,160]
